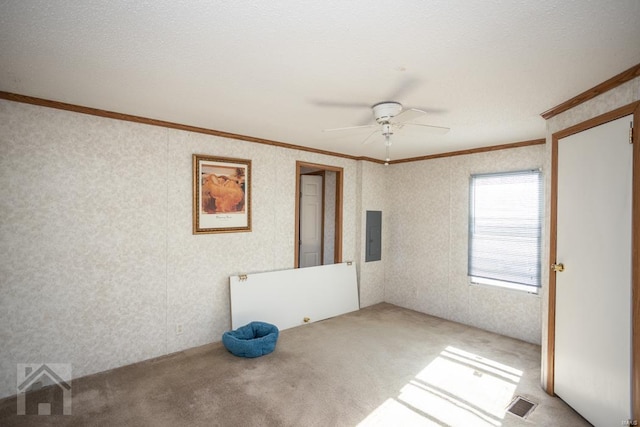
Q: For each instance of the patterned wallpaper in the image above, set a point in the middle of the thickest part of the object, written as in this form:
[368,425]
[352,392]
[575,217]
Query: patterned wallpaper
[98,263]
[428,223]
[372,179]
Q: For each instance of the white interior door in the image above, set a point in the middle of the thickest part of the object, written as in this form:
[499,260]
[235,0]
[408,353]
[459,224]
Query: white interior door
[311,211]
[593,293]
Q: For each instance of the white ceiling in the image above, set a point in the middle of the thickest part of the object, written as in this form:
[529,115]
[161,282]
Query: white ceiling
[273,69]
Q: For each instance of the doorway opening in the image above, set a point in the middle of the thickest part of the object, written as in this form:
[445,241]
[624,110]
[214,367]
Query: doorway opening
[318,224]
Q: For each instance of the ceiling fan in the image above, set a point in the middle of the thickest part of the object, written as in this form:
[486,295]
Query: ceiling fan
[391,117]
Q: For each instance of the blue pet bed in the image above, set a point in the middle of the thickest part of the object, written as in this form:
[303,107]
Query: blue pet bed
[253,340]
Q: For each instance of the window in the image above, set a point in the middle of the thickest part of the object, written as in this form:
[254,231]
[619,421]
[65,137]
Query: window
[505,229]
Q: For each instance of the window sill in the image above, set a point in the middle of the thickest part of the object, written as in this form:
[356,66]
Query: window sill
[510,287]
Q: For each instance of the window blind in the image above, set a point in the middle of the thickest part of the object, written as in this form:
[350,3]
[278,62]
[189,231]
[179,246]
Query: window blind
[505,227]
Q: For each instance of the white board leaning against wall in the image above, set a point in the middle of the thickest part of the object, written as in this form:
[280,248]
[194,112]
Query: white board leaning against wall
[289,298]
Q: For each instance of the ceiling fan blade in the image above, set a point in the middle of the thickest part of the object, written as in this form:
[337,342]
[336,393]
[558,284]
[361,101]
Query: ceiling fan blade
[407,115]
[349,128]
[437,130]
[369,139]
[427,110]
[322,103]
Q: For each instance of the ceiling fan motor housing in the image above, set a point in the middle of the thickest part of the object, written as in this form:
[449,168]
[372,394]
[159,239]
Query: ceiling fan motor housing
[385,111]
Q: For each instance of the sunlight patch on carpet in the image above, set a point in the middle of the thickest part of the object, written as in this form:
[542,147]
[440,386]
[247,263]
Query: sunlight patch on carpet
[456,388]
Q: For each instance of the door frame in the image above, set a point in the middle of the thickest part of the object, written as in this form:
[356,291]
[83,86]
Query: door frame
[633,108]
[337,253]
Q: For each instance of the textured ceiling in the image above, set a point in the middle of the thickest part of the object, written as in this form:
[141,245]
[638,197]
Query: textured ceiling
[282,70]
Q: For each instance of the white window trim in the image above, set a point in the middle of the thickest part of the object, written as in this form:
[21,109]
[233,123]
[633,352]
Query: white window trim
[499,284]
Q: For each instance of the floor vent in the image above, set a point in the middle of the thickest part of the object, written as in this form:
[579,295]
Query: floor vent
[521,407]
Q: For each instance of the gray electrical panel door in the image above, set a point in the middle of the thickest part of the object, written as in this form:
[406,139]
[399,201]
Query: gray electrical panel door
[374,236]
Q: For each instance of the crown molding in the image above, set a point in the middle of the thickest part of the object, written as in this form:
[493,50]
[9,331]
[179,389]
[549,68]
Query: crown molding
[472,151]
[171,125]
[585,96]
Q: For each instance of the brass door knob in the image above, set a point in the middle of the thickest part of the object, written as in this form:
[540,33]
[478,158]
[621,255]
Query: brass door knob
[557,267]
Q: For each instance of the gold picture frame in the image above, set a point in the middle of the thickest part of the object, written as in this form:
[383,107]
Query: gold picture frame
[221,194]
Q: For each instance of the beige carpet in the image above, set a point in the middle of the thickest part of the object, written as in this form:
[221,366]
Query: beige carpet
[382,365]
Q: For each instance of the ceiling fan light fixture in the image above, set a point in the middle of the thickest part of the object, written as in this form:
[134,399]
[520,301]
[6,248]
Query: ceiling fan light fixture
[391,117]
[386,131]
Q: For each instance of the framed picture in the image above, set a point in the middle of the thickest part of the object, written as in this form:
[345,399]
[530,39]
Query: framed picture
[221,194]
